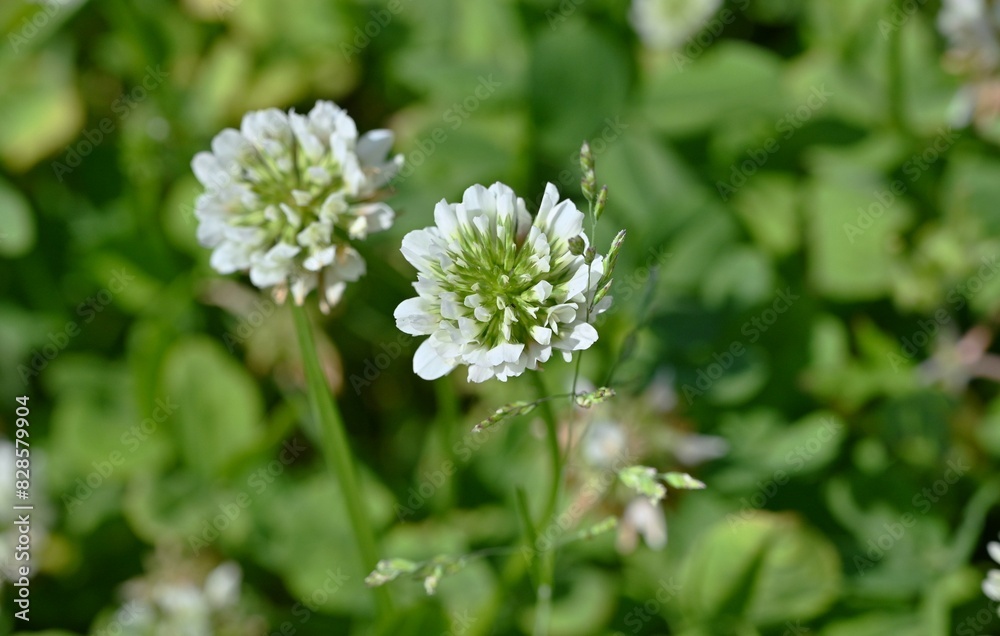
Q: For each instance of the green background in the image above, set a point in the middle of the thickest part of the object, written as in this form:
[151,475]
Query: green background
[827,120]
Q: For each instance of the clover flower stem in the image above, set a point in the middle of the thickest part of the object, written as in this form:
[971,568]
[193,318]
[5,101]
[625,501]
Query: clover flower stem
[547,568]
[338,454]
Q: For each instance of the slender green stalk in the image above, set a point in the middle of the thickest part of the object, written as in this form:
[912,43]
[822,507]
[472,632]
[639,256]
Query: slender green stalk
[337,452]
[896,91]
[543,609]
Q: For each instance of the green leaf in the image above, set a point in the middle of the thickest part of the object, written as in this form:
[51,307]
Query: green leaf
[768,206]
[592,89]
[17,222]
[41,110]
[731,80]
[768,570]
[851,228]
[220,410]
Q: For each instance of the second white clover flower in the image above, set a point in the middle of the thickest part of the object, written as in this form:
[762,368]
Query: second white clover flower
[498,290]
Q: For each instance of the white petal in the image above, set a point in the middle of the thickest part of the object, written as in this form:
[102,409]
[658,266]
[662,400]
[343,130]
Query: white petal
[504,352]
[230,147]
[549,200]
[445,219]
[209,171]
[413,316]
[377,216]
[477,198]
[542,290]
[579,283]
[428,364]
[541,335]
[993,548]
[419,246]
[320,259]
[581,337]
[333,293]
[564,221]
[479,373]
[222,585]
[374,147]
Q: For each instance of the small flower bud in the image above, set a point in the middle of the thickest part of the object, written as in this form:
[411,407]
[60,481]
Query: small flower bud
[603,291]
[602,201]
[643,480]
[576,245]
[586,158]
[589,181]
[588,256]
[587,400]
[612,258]
[683,481]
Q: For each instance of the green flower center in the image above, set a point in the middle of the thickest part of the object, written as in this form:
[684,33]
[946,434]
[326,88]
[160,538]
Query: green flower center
[504,276]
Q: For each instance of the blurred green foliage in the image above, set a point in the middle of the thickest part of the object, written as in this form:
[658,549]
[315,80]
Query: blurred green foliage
[811,254]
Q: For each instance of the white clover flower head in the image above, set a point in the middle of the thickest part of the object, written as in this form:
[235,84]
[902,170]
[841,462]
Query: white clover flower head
[668,24]
[286,193]
[498,290]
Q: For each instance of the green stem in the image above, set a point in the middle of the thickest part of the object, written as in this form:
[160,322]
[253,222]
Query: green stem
[338,453]
[543,609]
[896,92]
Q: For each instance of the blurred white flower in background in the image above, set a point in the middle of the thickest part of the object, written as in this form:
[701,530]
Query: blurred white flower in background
[972,29]
[668,24]
[643,430]
[286,194]
[498,290]
[642,518]
[180,596]
[991,584]
[604,443]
